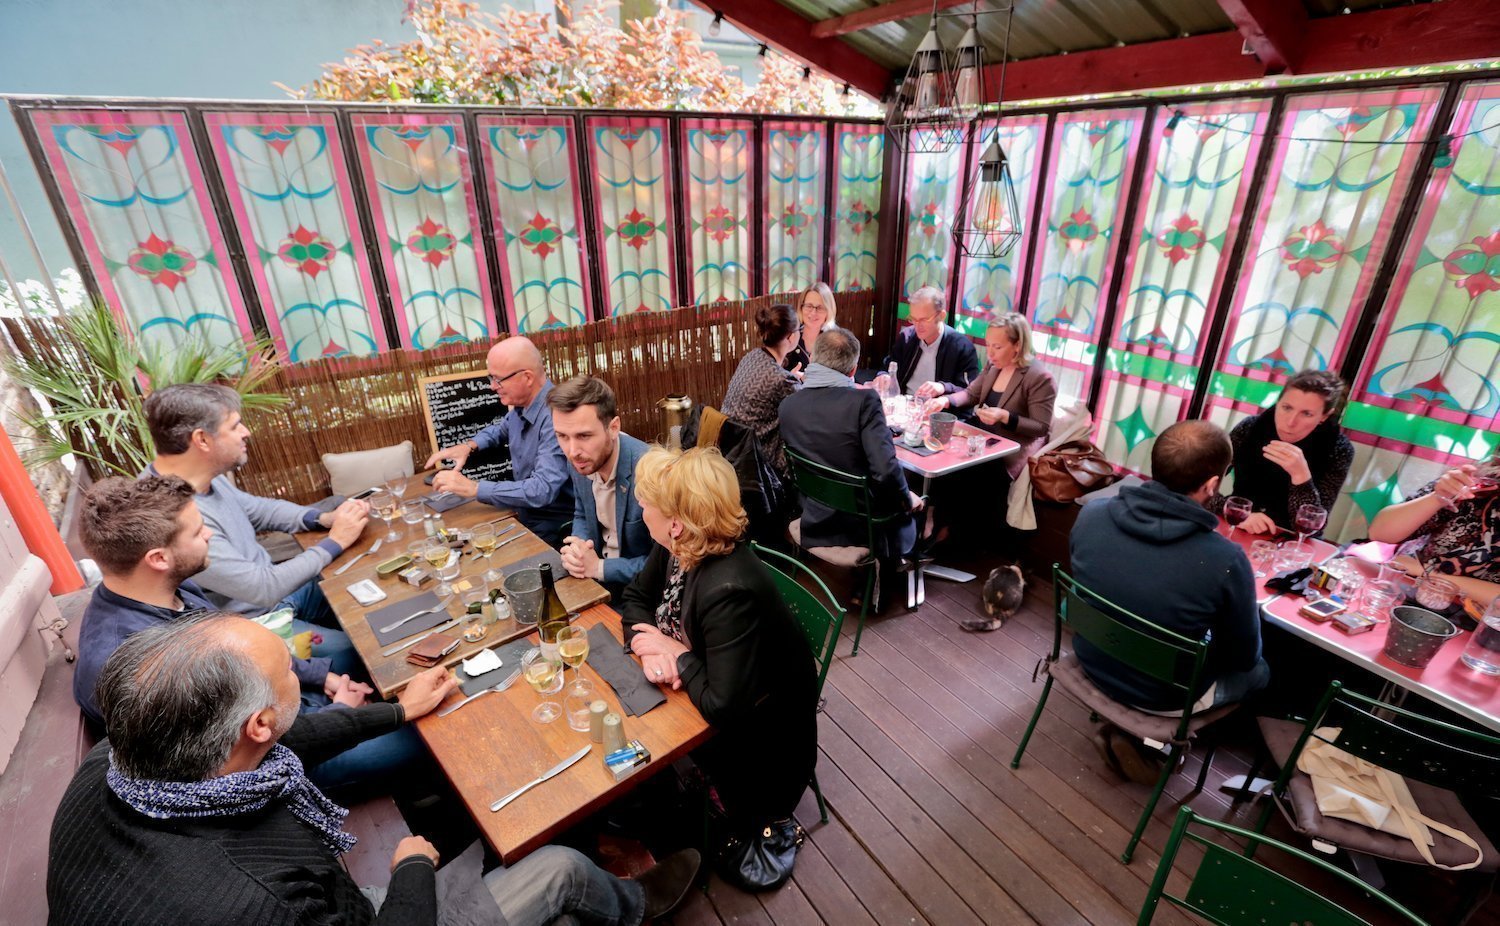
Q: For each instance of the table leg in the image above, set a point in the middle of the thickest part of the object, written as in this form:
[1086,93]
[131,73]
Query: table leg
[947,573]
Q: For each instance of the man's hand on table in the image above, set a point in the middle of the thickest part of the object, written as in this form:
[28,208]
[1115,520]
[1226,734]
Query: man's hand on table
[341,689]
[458,454]
[931,390]
[580,560]
[346,522]
[451,480]
[413,845]
[426,692]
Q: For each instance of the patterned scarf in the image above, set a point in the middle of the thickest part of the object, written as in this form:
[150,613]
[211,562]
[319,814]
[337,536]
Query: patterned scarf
[279,777]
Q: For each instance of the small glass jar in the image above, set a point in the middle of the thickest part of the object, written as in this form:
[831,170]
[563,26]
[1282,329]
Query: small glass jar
[1435,593]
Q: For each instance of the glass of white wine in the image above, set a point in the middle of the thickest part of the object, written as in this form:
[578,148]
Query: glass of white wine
[485,540]
[436,553]
[573,648]
[546,676]
[385,507]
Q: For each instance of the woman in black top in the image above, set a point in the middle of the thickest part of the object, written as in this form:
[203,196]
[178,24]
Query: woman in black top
[704,615]
[818,313]
[1292,454]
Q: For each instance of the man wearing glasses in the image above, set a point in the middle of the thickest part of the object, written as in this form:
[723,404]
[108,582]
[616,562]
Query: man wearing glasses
[541,493]
[931,358]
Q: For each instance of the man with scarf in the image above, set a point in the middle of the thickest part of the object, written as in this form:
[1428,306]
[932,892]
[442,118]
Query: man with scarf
[833,423]
[197,810]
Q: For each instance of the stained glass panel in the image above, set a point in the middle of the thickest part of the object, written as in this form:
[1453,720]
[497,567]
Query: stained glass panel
[934,184]
[856,219]
[717,155]
[421,195]
[795,167]
[531,168]
[293,200]
[632,193]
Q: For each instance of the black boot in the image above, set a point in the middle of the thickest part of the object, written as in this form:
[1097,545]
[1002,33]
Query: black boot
[668,881]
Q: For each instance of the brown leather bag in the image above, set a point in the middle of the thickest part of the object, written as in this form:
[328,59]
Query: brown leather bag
[1069,471]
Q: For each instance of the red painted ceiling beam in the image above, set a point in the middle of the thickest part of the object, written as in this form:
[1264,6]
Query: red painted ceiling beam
[875,15]
[788,32]
[1429,33]
[1272,28]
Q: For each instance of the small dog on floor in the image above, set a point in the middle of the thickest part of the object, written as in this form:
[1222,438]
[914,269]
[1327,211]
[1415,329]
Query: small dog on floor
[1003,593]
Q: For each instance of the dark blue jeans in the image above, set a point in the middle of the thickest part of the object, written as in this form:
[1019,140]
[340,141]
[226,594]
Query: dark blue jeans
[310,605]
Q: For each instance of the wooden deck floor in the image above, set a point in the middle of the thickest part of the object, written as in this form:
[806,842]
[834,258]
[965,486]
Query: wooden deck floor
[929,824]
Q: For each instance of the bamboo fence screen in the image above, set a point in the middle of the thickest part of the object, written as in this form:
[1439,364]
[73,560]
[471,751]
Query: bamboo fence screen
[340,405]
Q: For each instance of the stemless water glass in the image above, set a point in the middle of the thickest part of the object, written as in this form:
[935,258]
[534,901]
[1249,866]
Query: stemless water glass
[1482,651]
[413,513]
[384,507]
[577,696]
[1309,520]
[1380,598]
[1236,510]
[1262,552]
[1349,588]
[545,677]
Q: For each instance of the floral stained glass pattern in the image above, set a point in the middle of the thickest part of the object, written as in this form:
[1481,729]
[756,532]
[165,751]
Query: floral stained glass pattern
[293,200]
[716,160]
[420,190]
[532,175]
[134,190]
[856,220]
[795,155]
[993,285]
[934,184]
[632,190]
[1093,153]
[1191,209]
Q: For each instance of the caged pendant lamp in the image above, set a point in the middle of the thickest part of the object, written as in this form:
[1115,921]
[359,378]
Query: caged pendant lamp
[990,225]
[921,118]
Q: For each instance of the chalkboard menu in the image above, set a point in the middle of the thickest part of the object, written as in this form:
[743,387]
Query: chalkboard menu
[457,407]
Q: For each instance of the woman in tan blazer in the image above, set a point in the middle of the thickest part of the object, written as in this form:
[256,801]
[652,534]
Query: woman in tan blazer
[1013,397]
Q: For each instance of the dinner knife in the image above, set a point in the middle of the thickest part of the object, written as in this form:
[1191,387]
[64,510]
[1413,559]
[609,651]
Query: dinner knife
[557,769]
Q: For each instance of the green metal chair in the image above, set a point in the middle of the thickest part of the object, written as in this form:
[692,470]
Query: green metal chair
[820,621]
[1160,653]
[1231,889]
[850,494]
[1439,761]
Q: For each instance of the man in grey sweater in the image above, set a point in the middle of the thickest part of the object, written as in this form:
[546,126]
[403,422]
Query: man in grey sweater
[200,437]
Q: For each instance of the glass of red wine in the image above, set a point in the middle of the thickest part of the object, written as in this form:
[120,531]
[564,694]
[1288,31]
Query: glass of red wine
[1310,519]
[1236,510]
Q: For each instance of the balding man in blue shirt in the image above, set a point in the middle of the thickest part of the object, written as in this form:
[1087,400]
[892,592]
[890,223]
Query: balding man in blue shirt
[541,494]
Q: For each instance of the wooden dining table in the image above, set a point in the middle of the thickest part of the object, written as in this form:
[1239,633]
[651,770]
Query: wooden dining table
[390,674]
[491,746]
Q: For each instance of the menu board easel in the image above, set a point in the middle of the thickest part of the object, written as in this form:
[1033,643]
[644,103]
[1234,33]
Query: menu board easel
[458,406]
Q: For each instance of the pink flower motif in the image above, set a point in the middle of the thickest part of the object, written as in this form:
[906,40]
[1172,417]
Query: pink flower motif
[161,262]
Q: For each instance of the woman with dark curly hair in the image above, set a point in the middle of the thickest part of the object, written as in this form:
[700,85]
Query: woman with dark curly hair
[760,383]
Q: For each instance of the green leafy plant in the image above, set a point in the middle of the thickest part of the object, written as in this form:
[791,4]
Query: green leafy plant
[94,375]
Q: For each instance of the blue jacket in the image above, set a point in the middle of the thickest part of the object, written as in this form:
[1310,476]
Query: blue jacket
[635,540]
[1156,553]
[957,362]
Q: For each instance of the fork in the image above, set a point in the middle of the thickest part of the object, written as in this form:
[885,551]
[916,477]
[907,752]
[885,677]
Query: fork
[411,617]
[504,684]
[373,548]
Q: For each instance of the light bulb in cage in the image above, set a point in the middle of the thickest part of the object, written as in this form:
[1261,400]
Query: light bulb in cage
[927,67]
[968,63]
[991,225]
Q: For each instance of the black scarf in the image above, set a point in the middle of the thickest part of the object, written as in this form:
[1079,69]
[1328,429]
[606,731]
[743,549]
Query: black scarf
[1265,483]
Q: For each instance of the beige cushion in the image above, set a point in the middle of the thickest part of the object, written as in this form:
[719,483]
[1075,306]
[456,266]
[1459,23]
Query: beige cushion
[358,470]
[847,557]
[1070,675]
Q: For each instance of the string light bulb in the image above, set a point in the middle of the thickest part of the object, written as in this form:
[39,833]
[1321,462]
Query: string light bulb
[763,49]
[1443,158]
[716,25]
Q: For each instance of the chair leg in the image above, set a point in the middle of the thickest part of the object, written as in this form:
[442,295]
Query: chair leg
[1208,761]
[864,608]
[1261,824]
[818,793]
[1035,716]
[1161,785]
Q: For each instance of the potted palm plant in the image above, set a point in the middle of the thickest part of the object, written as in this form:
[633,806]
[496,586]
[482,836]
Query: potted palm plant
[93,375]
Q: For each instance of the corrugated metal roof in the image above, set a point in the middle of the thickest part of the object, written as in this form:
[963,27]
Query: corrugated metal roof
[1049,27]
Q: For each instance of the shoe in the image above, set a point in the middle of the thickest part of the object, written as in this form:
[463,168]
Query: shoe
[1104,742]
[668,881]
[1139,764]
[981,624]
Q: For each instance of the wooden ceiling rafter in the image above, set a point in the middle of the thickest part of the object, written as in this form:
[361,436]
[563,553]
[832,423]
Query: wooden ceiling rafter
[1272,29]
[876,15]
[788,32]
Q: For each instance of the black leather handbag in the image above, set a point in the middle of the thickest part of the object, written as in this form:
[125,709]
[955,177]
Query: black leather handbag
[763,860]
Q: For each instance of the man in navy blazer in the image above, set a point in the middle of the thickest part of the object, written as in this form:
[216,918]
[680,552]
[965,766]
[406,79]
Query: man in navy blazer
[931,358]
[609,542]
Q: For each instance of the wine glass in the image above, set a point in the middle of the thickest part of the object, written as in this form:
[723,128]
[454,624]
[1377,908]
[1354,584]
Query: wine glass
[546,677]
[1236,510]
[485,540]
[436,553]
[1310,519]
[396,485]
[1261,554]
[573,647]
[383,504]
